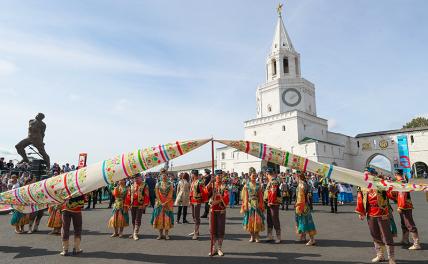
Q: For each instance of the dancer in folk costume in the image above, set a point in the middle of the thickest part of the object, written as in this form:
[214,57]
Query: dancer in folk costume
[198,195]
[218,203]
[34,217]
[55,219]
[138,198]
[34,221]
[304,223]
[163,214]
[273,198]
[253,207]
[374,204]
[19,220]
[72,212]
[120,218]
[405,208]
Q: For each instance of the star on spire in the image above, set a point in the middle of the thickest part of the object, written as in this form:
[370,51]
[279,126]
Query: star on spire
[279,9]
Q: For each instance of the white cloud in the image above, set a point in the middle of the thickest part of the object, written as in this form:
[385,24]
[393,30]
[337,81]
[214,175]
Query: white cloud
[78,54]
[7,67]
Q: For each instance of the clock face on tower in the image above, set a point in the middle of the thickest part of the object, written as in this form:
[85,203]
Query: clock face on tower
[291,97]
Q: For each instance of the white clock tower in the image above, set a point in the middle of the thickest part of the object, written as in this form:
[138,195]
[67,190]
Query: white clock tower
[284,89]
[286,108]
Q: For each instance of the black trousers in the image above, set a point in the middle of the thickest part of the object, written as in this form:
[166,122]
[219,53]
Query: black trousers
[184,210]
[333,204]
[112,199]
[93,198]
[207,210]
[324,195]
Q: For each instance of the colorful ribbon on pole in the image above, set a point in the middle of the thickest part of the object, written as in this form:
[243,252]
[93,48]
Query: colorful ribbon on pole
[57,189]
[339,174]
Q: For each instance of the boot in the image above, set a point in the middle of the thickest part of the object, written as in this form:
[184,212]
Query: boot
[214,249]
[64,251]
[196,233]
[136,231]
[166,235]
[380,253]
[160,234]
[30,228]
[416,243]
[121,232]
[35,227]
[391,256]
[220,251]
[116,233]
[252,237]
[278,237]
[132,236]
[269,235]
[77,250]
[18,230]
[257,239]
[405,240]
[311,241]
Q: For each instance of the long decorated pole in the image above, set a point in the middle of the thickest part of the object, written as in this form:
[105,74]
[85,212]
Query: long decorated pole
[212,212]
[287,159]
[56,190]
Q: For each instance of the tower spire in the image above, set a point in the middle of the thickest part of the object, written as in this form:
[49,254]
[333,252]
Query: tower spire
[281,40]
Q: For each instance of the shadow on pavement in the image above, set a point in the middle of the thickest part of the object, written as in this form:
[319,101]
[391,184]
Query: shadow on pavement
[230,257]
[27,252]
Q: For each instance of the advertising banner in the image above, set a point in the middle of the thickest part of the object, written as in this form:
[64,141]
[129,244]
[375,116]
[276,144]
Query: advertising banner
[82,160]
[403,153]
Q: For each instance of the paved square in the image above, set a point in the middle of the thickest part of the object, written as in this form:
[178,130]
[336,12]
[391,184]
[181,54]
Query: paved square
[342,238]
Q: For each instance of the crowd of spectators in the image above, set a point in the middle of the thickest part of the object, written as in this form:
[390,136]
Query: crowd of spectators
[15,175]
[19,174]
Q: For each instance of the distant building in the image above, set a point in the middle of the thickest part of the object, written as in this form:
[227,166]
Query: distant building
[201,166]
[286,118]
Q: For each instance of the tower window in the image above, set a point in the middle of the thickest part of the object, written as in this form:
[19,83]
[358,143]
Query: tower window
[283,128]
[412,139]
[223,155]
[255,133]
[273,67]
[285,65]
[358,144]
[296,62]
[269,108]
[322,131]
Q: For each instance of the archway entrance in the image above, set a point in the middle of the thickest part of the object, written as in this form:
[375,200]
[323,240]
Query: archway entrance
[419,168]
[381,163]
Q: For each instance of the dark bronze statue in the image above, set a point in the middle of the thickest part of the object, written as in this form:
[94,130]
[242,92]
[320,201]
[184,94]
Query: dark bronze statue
[36,133]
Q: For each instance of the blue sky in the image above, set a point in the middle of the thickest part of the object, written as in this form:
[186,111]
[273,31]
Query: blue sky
[112,76]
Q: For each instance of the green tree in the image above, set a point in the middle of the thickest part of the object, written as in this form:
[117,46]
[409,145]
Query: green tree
[417,122]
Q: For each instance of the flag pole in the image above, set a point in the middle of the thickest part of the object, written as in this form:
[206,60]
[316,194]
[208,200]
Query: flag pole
[213,193]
